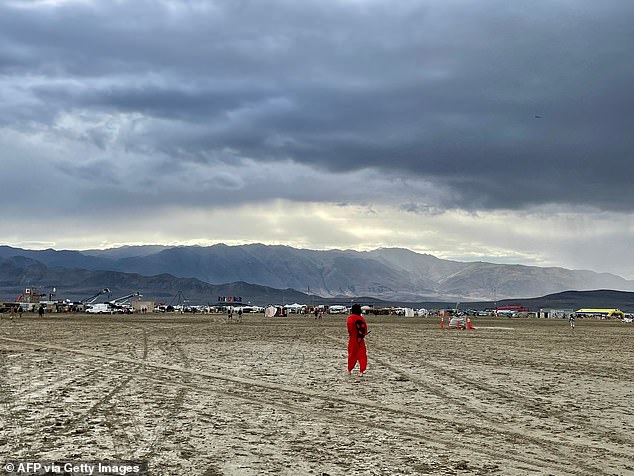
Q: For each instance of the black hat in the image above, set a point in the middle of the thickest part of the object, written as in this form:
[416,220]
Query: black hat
[356,309]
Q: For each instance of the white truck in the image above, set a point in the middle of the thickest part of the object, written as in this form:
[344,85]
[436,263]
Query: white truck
[101,308]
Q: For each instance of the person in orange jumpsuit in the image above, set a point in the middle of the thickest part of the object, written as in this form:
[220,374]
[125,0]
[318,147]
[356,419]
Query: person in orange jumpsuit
[357,330]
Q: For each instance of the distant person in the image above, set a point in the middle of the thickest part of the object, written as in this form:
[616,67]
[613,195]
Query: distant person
[571,319]
[20,311]
[357,330]
[40,311]
[240,314]
[230,313]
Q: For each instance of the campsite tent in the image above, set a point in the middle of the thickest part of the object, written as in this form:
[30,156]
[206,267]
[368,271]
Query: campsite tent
[294,307]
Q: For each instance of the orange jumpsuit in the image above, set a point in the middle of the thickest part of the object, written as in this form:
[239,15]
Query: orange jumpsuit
[357,330]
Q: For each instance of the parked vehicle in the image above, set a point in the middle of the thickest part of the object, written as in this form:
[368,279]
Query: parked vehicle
[101,308]
[337,310]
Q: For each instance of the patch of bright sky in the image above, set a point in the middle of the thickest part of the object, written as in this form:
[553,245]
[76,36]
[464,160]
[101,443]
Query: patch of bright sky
[496,237]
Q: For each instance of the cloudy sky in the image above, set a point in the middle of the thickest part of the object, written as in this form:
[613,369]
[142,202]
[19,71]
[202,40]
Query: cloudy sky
[472,130]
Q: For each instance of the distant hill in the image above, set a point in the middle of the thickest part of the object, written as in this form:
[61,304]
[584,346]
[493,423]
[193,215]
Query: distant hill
[126,251]
[18,273]
[391,274]
[601,298]
[63,258]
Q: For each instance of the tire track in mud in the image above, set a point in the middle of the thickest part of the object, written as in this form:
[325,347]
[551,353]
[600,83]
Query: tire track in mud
[404,429]
[40,390]
[166,426]
[8,403]
[174,407]
[605,432]
[430,388]
[304,394]
[121,439]
[530,404]
[122,385]
[40,394]
[297,408]
[114,421]
[549,444]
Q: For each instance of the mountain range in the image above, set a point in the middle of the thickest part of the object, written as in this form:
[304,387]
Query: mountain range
[391,274]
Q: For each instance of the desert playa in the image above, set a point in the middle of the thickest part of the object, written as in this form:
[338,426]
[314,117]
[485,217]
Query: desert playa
[202,396]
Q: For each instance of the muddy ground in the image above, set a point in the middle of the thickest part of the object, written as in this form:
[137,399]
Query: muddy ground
[202,396]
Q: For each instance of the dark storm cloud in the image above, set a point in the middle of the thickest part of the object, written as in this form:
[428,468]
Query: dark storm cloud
[509,104]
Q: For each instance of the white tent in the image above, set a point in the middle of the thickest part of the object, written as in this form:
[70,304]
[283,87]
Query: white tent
[294,307]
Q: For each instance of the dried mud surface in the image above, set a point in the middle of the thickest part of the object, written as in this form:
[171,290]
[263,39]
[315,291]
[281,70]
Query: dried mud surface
[201,396]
